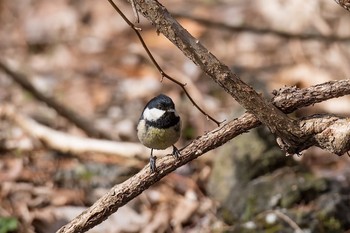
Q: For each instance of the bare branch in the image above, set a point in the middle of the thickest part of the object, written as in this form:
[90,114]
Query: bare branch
[288,220]
[61,109]
[161,71]
[261,31]
[289,99]
[281,125]
[330,132]
[245,95]
[122,193]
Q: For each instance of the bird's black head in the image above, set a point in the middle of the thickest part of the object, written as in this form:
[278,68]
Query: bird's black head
[160,112]
[161,102]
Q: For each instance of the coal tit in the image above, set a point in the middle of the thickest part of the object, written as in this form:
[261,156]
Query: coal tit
[159,126]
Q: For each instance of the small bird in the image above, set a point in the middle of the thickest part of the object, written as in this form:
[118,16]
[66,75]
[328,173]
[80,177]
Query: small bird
[159,126]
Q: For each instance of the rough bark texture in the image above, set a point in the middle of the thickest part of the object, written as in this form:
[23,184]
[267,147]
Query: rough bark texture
[279,124]
[316,128]
[289,99]
[330,133]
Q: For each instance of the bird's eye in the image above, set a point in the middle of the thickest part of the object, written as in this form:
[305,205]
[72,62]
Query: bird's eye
[160,106]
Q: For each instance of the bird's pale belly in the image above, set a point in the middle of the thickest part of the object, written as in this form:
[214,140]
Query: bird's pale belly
[156,138]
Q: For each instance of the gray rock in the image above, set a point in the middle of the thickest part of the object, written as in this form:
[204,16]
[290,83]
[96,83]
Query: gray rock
[252,177]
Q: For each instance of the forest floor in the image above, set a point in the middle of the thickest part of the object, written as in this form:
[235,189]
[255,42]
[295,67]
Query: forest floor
[83,55]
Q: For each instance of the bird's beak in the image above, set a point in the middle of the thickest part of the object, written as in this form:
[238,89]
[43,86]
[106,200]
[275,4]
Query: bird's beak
[174,111]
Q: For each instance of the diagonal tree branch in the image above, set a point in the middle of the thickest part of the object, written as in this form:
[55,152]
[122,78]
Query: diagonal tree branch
[281,125]
[323,134]
[120,194]
[160,70]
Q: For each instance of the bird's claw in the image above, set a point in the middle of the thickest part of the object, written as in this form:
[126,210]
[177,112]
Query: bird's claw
[152,163]
[176,153]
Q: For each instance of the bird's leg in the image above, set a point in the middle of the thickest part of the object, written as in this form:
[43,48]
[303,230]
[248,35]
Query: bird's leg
[176,152]
[152,162]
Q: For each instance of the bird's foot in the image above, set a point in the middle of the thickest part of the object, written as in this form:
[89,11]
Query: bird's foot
[152,163]
[176,153]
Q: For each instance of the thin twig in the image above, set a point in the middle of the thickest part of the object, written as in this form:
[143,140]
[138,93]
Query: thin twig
[259,31]
[279,124]
[288,220]
[160,70]
[283,217]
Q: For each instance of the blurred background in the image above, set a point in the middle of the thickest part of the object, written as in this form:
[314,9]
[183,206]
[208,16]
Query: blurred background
[82,54]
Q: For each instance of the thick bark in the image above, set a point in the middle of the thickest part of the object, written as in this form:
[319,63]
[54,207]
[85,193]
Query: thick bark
[330,133]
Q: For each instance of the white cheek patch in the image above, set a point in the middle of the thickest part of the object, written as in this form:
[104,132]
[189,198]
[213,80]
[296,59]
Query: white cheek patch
[152,114]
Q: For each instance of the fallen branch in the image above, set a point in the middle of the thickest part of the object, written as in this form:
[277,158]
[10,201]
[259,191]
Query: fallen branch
[82,123]
[120,194]
[73,144]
